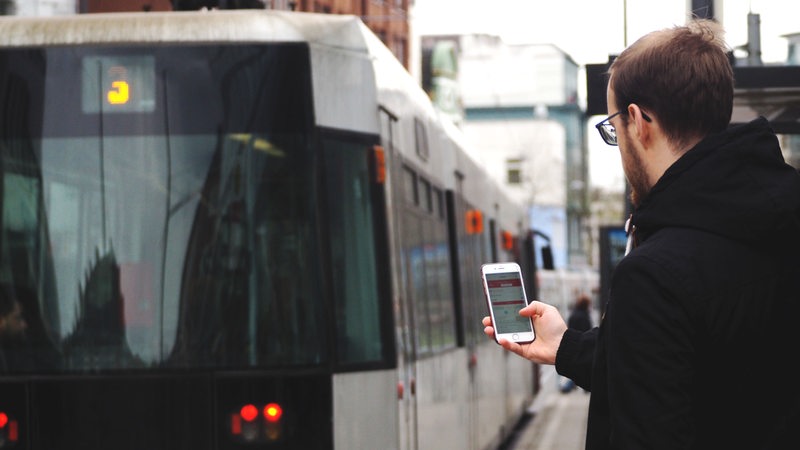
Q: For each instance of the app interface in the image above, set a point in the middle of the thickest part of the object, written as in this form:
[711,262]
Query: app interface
[507,298]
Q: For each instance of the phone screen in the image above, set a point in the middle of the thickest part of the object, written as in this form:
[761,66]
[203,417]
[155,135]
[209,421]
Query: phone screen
[507,297]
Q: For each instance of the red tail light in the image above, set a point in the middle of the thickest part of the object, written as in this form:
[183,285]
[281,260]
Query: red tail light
[236,424]
[248,428]
[248,413]
[9,429]
[13,431]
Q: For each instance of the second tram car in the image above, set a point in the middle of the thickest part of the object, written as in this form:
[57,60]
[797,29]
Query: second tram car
[241,230]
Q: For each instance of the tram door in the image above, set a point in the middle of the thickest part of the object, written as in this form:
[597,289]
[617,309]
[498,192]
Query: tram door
[406,354]
[471,254]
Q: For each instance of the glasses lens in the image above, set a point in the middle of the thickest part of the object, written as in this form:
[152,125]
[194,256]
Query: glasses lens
[608,133]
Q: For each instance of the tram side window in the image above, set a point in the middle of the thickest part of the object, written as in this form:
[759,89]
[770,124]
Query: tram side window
[472,252]
[351,226]
[421,264]
[412,257]
[440,305]
[428,259]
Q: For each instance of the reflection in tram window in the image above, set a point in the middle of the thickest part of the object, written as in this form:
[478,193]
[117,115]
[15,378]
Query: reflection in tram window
[249,296]
[355,289]
[428,259]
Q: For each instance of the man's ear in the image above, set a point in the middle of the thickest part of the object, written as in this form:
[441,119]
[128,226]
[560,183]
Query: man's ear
[642,127]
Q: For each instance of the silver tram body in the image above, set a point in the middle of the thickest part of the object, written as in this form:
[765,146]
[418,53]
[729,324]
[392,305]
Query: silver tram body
[211,217]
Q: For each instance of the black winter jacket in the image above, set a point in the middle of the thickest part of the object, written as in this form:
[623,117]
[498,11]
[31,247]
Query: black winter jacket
[697,343]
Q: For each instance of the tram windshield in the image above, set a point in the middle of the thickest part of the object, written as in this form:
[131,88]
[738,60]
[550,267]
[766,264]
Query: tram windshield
[159,208]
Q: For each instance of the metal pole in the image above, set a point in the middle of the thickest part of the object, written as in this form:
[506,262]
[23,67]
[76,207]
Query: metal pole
[625,23]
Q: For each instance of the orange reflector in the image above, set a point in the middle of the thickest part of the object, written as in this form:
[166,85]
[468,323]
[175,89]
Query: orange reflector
[474,221]
[3,419]
[379,161]
[273,412]
[508,240]
[248,412]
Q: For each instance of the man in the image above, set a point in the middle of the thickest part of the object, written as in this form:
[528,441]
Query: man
[698,339]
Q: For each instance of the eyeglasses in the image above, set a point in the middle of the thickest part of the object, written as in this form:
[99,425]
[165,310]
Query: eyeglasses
[608,132]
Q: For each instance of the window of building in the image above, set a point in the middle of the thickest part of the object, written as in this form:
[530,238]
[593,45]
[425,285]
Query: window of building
[514,171]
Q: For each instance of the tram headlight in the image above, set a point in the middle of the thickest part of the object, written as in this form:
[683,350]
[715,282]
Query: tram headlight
[273,412]
[272,417]
[248,426]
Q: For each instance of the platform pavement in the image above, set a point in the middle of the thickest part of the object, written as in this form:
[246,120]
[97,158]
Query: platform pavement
[557,420]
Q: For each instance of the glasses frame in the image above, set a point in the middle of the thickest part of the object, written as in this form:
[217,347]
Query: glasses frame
[608,132]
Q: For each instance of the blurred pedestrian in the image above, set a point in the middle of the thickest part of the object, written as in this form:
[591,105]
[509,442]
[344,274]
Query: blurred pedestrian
[702,312]
[580,319]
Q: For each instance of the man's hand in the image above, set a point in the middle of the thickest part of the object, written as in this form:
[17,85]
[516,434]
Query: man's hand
[549,327]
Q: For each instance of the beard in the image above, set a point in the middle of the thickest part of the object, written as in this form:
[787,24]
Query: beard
[635,173]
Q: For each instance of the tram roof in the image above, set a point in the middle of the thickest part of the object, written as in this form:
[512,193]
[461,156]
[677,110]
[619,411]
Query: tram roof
[769,91]
[344,31]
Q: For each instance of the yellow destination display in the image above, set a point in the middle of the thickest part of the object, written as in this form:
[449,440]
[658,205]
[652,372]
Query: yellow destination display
[118,84]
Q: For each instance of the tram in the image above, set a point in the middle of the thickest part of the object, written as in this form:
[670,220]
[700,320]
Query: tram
[242,230]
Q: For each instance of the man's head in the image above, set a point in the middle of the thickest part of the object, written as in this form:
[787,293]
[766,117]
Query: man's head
[666,92]
[680,76]
[583,302]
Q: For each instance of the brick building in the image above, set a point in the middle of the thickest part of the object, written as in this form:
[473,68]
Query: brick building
[386,18]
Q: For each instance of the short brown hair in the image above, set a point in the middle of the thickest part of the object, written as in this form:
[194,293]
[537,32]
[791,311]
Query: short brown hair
[682,75]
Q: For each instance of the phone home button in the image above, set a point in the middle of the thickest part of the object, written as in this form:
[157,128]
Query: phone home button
[515,336]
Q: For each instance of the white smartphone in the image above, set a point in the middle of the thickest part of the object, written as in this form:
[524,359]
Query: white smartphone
[505,296]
